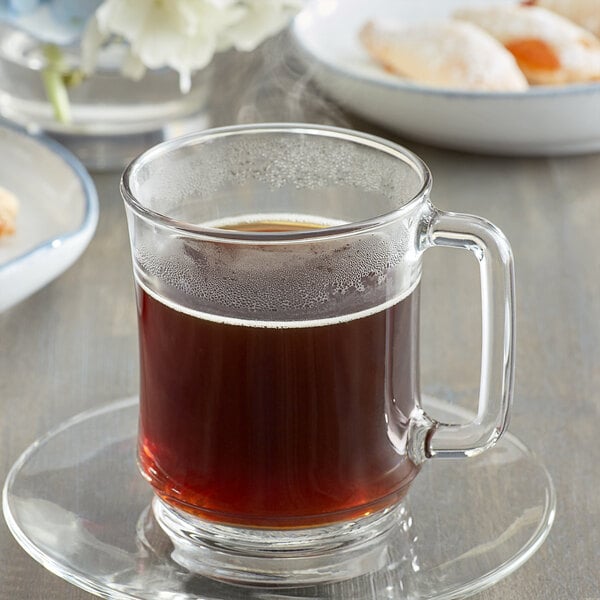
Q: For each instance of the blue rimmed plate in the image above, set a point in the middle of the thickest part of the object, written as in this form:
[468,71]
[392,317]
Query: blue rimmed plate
[58,212]
[545,120]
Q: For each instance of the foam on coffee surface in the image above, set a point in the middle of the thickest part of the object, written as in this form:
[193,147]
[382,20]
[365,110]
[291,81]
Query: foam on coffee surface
[284,284]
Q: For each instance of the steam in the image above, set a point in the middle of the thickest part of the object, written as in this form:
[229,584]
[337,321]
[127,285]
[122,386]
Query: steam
[272,84]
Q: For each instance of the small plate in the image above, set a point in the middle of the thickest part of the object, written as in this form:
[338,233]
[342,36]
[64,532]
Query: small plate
[58,212]
[77,504]
[548,120]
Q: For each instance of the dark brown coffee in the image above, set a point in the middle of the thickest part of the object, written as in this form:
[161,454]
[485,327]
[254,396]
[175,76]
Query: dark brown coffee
[264,426]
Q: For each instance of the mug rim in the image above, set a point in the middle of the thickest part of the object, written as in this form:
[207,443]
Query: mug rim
[230,235]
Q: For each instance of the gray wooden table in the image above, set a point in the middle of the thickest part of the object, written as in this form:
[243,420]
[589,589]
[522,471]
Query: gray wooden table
[73,345]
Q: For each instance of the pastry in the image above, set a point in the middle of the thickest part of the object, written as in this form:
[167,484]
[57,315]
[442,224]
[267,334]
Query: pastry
[583,12]
[449,54]
[9,206]
[549,48]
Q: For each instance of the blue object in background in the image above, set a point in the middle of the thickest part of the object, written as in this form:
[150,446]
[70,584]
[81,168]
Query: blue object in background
[20,6]
[56,21]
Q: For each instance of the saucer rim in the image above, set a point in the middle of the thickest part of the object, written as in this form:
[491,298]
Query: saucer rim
[84,582]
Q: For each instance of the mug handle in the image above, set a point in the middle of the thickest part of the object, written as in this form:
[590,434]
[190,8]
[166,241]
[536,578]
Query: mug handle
[492,250]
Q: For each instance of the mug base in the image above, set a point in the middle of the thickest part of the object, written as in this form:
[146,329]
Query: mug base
[278,557]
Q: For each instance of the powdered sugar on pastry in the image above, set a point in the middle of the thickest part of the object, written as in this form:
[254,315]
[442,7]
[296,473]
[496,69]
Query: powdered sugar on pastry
[549,48]
[9,207]
[583,12]
[449,54]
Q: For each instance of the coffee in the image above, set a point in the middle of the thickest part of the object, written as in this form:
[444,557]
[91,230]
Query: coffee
[277,426]
[280,418]
[273,226]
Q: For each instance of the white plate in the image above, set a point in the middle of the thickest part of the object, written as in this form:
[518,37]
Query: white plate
[58,212]
[541,121]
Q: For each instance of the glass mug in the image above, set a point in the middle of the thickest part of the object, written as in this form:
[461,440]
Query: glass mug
[277,272]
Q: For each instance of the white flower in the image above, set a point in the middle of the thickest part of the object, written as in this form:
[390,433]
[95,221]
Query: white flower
[261,19]
[182,34]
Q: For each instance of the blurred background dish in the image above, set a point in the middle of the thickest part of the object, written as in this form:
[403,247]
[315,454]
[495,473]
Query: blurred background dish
[544,120]
[58,212]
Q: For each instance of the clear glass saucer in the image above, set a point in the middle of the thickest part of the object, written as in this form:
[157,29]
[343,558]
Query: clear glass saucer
[77,504]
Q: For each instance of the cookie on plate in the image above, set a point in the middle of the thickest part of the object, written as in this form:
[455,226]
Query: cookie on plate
[549,48]
[9,207]
[583,12]
[450,54]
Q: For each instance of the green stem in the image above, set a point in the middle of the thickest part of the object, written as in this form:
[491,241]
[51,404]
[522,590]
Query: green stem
[53,77]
